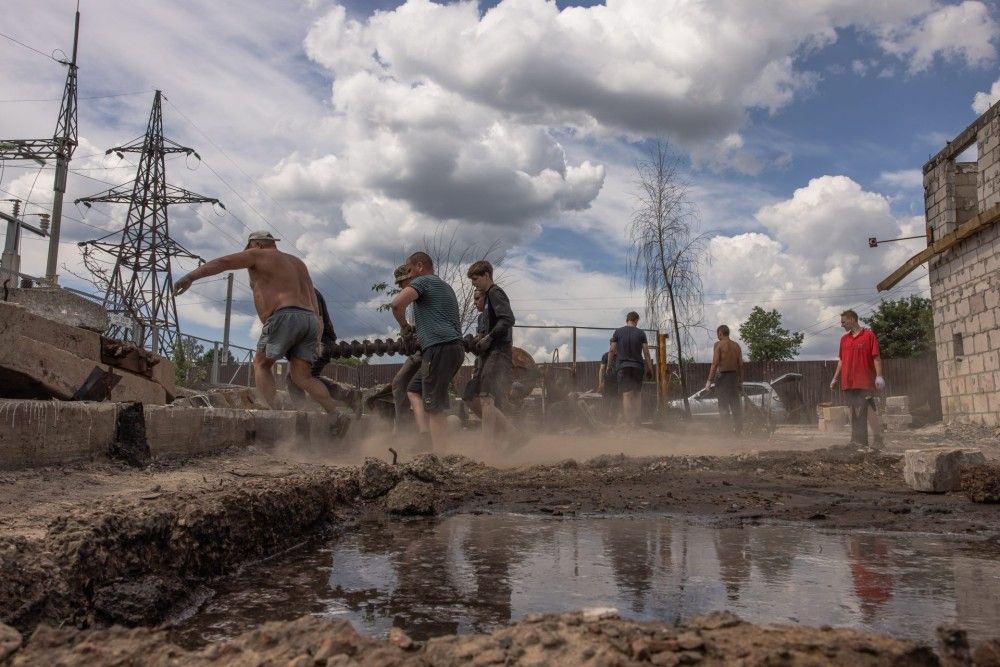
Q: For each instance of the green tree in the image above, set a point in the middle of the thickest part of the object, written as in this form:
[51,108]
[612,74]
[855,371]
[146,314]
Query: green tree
[766,340]
[904,327]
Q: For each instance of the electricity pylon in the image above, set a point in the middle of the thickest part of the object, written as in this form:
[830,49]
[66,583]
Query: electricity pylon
[140,286]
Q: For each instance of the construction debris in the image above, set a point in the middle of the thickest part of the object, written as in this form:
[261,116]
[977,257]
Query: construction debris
[938,470]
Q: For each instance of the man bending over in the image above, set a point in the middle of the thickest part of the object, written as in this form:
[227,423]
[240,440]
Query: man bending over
[285,300]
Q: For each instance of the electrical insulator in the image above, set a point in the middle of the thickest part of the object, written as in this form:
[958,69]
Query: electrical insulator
[17,207]
[43,222]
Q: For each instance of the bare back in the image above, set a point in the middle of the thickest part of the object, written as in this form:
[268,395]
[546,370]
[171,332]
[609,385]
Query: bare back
[279,280]
[728,356]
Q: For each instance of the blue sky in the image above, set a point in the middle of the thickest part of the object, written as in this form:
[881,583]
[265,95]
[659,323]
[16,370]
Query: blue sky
[358,130]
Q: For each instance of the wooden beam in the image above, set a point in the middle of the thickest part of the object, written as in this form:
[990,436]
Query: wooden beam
[965,230]
[963,140]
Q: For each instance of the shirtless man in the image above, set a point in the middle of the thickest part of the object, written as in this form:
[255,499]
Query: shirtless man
[727,369]
[286,303]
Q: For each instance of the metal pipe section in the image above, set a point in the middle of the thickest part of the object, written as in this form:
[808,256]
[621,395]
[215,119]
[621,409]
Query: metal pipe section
[343,349]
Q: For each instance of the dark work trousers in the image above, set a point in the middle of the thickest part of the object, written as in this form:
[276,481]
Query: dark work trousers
[399,384]
[857,403]
[730,396]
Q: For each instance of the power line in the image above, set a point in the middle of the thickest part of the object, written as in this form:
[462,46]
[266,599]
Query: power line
[322,272]
[91,97]
[31,48]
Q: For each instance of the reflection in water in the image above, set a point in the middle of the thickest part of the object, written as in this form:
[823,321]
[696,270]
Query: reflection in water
[471,573]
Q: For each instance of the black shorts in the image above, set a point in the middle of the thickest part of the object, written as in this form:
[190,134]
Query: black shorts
[437,369]
[498,366]
[630,379]
[416,385]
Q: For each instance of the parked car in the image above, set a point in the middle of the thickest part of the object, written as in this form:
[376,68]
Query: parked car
[765,395]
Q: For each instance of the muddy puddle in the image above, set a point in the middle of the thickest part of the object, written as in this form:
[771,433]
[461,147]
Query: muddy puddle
[470,573]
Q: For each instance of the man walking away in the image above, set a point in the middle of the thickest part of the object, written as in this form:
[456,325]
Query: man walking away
[436,318]
[860,371]
[325,353]
[727,369]
[628,350]
[285,299]
[607,387]
[404,376]
[496,348]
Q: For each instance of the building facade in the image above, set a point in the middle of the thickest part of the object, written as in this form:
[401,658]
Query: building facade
[962,203]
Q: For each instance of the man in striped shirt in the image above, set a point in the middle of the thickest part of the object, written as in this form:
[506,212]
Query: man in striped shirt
[439,333]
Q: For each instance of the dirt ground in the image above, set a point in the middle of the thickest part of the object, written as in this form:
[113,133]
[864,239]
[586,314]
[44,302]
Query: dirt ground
[593,637]
[96,544]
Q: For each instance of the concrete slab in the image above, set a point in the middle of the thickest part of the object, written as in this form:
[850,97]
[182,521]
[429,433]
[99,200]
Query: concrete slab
[18,320]
[62,306]
[176,432]
[32,369]
[41,433]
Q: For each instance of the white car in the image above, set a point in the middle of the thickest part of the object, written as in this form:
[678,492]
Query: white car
[705,405]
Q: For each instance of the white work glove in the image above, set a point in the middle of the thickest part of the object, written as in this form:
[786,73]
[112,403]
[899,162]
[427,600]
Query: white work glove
[833,384]
[708,384]
[880,383]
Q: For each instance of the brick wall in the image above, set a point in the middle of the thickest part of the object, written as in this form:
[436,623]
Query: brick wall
[965,283]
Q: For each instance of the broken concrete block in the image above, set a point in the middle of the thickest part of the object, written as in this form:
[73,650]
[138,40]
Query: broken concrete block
[981,483]
[897,405]
[42,433]
[939,469]
[32,369]
[18,320]
[897,422]
[177,432]
[62,306]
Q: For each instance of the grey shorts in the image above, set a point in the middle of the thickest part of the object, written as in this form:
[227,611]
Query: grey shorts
[290,332]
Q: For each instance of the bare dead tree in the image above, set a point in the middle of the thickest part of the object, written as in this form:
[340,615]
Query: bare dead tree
[452,257]
[666,253]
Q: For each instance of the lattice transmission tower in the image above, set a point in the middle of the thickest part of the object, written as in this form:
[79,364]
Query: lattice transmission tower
[140,287]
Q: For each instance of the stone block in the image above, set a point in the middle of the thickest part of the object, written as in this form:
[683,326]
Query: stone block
[32,369]
[939,469]
[897,422]
[897,405]
[836,415]
[19,320]
[42,433]
[62,306]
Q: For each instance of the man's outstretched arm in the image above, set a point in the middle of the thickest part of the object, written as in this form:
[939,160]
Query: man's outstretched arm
[234,262]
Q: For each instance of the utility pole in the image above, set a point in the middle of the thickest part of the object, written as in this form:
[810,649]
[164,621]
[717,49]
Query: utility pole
[59,148]
[229,316]
[141,284]
[67,131]
[10,262]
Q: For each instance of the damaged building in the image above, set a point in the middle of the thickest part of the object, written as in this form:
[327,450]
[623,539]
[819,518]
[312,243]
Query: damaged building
[962,204]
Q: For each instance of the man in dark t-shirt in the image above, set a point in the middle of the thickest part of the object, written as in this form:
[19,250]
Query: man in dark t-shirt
[630,352]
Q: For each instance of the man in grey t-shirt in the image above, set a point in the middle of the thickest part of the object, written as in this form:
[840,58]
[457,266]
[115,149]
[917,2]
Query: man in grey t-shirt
[439,332]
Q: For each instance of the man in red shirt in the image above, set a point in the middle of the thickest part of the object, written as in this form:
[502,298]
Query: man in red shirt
[860,372]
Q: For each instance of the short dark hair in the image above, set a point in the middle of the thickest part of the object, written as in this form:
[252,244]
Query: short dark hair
[421,257]
[632,317]
[723,329]
[850,313]
[480,268]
